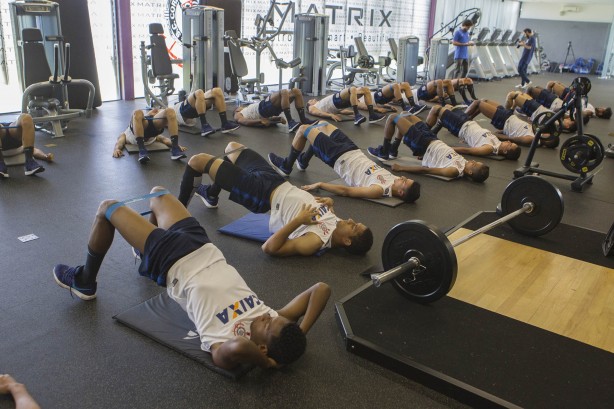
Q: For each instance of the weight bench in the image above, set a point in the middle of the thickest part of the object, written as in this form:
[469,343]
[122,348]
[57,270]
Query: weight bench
[161,68]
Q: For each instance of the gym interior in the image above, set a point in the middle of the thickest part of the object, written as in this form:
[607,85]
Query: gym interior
[525,319]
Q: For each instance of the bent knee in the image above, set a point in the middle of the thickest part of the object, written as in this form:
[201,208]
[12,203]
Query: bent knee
[157,189]
[198,161]
[233,146]
[104,206]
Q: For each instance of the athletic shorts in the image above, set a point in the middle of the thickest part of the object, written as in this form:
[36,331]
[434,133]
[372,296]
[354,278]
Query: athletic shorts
[380,98]
[453,121]
[131,137]
[546,98]
[186,113]
[530,106]
[418,138]
[556,105]
[8,142]
[340,103]
[330,148]
[164,247]
[250,181]
[500,117]
[267,109]
[424,95]
[565,92]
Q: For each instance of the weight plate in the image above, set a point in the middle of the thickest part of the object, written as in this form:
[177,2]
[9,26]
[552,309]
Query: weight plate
[608,243]
[439,266]
[582,154]
[547,132]
[547,205]
[582,85]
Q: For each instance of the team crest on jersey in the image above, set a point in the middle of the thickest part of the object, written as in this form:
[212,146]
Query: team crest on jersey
[386,191]
[240,330]
[372,168]
[381,179]
[238,308]
[325,229]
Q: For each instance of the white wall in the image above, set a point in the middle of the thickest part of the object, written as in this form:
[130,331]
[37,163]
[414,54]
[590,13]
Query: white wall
[594,13]
[495,13]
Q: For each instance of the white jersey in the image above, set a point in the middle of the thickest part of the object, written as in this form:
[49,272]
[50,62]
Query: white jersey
[326,105]
[515,127]
[475,136]
[251,111]
[180,119]
[131,138]
[440,155]
[587,107]
[286,203]
[215,296]
[541,109]
[556,105]
[356,169]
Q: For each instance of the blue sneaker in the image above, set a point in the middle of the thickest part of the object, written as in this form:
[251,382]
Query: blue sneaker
[359,119]
[293,125]
[230,126]
[376,118]
[136,253]
[206,130]
[308,121]
[416,109]
[65,277]
[299,163]
[277,162]
[209,201]
[393,154]
[377,153]
[4,170]
[32,167]
[177,153]
[143,156]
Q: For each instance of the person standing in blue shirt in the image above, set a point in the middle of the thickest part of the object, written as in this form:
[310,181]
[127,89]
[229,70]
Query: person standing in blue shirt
[462,39]
[527,53]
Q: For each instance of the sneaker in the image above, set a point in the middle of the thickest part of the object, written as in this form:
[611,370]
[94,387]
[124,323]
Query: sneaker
[32,167]
[527,85]
[206,130]
[359,119]
[416,109]
[4,170]
[230,126]
[277,163]
[393,154]
[377,152]
[143,156]
[458,107]
[293,125]
[519,86]
[376,118]
[65,277]
[299,164]
[177,153]
[136,253]
[209,201]
[609,151]
[308,121]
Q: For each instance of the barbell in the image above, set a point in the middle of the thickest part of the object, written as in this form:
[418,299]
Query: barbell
[548,131]
[420,259]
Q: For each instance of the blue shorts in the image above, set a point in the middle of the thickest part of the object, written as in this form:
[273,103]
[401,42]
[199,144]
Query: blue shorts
[453,121]
[546,98]
[266,109]
[187,111]
[150,130]
[424,95]
[250,181]
[500,117]
[380,98]
[8,142]
[340,103]
[418,138]
[565,92]
[164,247]
[530,106]
[329,148]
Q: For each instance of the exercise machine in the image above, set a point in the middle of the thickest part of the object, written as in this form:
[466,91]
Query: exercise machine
[408,60]
[157,67]
[493,50]
[506,54]
[311,51]
[438,58]
[481,66]
[39,45]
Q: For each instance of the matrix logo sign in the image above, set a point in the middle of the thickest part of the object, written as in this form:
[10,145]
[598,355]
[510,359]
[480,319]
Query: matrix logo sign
[173,16]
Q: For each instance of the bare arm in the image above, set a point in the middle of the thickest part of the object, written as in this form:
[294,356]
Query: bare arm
[369,192]
[167,142]
[239,350]
[21,396]
[446,172]
[279,244]
[313,110]
[119,146]
[309,304]
[483,150]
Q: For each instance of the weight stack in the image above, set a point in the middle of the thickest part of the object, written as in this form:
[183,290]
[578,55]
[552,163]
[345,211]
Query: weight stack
[311,46]
[438,58]
[407,59]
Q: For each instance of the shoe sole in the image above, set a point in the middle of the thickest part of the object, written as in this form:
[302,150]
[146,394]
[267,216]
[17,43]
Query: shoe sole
[422,108]
[205,202]
[178,157]
[35,171]
[372,121]
[207,133]
[230,130]
[375,156]
[144,159]
[278,170]
[72,289]
[134,253]
[391,157]
[294,128]
[360,121]
[4,175]
[299,167]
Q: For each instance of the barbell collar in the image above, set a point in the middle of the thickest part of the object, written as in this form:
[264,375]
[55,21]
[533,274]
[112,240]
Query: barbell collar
[526,208]
[381,278]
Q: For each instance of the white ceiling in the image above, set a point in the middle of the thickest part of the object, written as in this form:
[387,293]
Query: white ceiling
[570,2]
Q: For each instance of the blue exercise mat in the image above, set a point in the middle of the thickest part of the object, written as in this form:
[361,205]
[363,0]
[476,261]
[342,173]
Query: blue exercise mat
[252,226]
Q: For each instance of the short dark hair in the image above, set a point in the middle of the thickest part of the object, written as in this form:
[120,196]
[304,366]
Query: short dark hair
[513,153]
[606,114]
[467,23]
[412,193]
[551,141]
[289,345]
[361,243]
[527,30]
[480,174]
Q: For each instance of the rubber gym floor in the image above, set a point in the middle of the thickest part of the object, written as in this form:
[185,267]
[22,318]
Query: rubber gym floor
[72,354]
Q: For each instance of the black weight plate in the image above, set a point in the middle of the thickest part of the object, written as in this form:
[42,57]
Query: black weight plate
[608,243]
[548,132]
[581,154]
[437,256]
[547,205]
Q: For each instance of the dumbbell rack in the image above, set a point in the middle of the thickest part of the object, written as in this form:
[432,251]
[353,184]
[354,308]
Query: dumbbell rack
[531,167]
